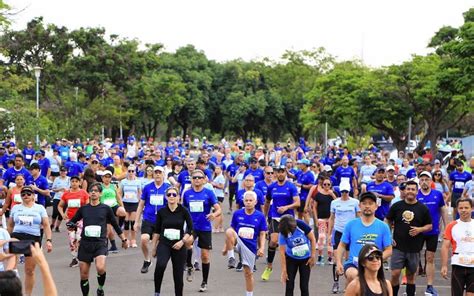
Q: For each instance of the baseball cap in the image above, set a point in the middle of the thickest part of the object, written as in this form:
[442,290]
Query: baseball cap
[280,168]
[390,168]
[327,168]
[253,159]
[345,187]
[426,173]
[132,167]
[76,177]
[368,194]
[304,161]
[107,172]
[27,189]
[158,168]
[374,250]
[35,166]
[437,161]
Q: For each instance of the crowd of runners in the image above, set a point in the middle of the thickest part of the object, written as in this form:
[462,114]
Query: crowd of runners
[363,212]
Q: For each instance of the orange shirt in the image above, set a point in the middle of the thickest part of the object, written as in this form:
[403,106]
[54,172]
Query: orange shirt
[74,200]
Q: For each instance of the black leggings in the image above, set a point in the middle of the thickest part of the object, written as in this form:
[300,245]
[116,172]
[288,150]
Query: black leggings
[292,266]
[178,259]
[232,193]
[462,279]
[56,214]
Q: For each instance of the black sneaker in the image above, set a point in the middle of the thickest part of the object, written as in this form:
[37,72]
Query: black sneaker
[146,265]
[231,263]
[197,267]
[239,267]
[203,287]
[100,292]
[74,263]
[255,268]
[113,250]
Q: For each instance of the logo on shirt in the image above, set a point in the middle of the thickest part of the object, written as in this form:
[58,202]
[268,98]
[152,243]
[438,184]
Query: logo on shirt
[408,216]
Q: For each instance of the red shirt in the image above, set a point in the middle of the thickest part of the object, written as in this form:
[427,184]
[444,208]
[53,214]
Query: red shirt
[74,200]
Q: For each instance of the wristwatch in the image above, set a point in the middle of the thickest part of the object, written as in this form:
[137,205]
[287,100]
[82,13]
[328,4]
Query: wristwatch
[49,240]
[124,240]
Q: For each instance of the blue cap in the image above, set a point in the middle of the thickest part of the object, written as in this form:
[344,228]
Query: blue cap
[304,161]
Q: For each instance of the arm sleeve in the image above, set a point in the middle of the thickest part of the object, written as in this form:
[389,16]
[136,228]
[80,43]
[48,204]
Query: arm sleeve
[281,240]
[77,216]
[158,223]
[189,222]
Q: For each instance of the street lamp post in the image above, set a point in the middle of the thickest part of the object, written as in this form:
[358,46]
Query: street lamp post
[37,70]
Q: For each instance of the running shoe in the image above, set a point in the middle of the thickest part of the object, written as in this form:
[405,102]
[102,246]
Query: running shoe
[197,267]
[203,287]
[113,250]
[56,229]
[100,292]
[386,266]
[431,291]
[335,288]
[231,263]
[190,274]
[266,274]
[146,265]
[74,263]
[330,261]
[255,268]
[239,267]
[321,260]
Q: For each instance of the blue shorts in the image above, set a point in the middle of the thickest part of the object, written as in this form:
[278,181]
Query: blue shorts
[348,265]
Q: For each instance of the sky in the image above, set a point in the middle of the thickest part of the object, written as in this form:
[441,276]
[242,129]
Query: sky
[380,32]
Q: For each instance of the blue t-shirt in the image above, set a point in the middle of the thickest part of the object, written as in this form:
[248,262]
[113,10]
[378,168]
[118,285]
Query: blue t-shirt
[11,173]
[258,174]
[45,165]
[383,188]
[306,178]
[28,220]
[282,195]
[130,190]
[344,175]
[239,199]
[411,173]
[64,152]
[356,235]
[263,186]
[232,170]
[199,205]
[42,183]
[74,168]
[28,154]
[459,180]
[154,199]
[248,227]
[344,211]
[184,179]
[298,245]
[434,202]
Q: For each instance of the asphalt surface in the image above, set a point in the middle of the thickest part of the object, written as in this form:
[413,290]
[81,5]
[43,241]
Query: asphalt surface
[124,277]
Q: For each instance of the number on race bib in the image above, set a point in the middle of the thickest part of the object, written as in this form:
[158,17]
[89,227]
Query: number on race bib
[172,234]
[132,196]
[196,206]
[300,251]
[73,203]
[17,198]
[25,220]
[246,232]
[156,199]
[93,231]
[459,185]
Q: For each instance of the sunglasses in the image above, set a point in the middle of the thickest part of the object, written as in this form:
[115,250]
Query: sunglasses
[26,194]
[95,162]
[131,171]
[269,173]
[94,190]
[437,174]
[374,257]
[172,194]
[326,184]
[107,176]
[197,177]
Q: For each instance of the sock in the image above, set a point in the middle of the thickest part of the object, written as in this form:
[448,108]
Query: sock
[230,254]
[126,226]
[189,257]
[101,280]
[112,242]
[205,271]
[395,290]
[249,293]
[74,254]
[335,276]
[271,254]
[132,224]
[411,289]
[429,286]
[85,287]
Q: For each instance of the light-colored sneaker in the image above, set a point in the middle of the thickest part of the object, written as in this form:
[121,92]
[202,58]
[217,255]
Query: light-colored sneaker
[190,274]
[266,274]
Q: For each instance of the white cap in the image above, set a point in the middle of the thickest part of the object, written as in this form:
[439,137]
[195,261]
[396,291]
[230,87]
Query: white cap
[107,172]
[425,173]
[327,168]
[390,168]
[345,187]
[158,168]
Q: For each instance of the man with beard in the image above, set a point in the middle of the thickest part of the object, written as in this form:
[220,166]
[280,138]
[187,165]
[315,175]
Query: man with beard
[361,231]
[433,199]
[410,219]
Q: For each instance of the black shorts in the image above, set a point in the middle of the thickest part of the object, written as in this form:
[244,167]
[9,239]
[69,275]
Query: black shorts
[205,239]
[454,197]
[130,207]
[462,277]
[114,209]
[300,209]
[148,228]
[54,174]
[337,239]
[431,242]
[24,236]
[89,250]
[273,228]
[220,198]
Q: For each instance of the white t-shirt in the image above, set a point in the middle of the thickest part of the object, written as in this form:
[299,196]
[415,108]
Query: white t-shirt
[219,180]
[4,235]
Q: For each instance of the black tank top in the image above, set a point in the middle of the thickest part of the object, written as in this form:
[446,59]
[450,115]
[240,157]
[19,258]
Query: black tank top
[369,292]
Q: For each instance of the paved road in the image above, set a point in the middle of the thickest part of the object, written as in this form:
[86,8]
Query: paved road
[124,277]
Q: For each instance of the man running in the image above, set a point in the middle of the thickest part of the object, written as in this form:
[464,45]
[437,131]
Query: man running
[285,199]
[384,192]
[199,201]
[95,216]
[460,237]
[247,233]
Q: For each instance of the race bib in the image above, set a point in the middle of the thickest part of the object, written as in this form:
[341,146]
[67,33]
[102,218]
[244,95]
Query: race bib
[73,203]
[459,185]
[93,231]
[196,206]
[17,198]
[110,202]
[466,259]
[130,196]
[172,234]
[156,199]
[300,251]
[25,220]
[379,201]
[246,232]
[64,154]
[28,156]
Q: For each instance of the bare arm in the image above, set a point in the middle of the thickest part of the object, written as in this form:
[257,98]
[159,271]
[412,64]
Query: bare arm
[49,287]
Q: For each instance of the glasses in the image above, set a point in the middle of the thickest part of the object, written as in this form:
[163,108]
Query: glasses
[269,173]
[171,194]
[326,184]
[26,194]
[437,174]
[197,177]
[94,190]
[314,167]
[374,257]
[95,162]
[131,171]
